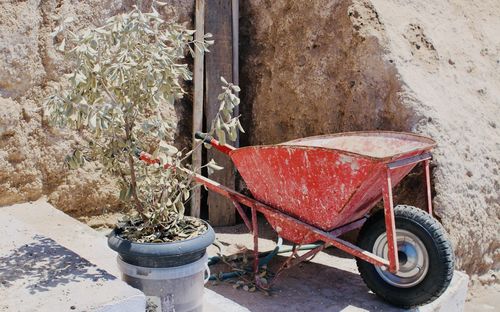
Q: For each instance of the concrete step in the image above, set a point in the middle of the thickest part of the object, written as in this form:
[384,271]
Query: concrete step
[52,262]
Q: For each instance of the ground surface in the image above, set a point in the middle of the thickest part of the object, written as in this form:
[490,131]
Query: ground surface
[330,282]
[482,299]
[51,262]
[40,263]
[44,269]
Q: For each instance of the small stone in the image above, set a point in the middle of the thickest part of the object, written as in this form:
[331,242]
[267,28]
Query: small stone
[72,307]
[451,62]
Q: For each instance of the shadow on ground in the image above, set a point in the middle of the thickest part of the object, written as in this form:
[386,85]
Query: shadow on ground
[308,287]
[330,282]
[44,264]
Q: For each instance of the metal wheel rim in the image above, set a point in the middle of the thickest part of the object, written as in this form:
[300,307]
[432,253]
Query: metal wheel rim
[414,259]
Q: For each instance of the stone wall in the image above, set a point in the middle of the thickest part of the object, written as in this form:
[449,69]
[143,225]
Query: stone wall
[307,67]
[322,66]
[32,153]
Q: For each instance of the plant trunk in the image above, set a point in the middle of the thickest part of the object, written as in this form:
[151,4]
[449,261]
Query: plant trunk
[133,181]
[133,186]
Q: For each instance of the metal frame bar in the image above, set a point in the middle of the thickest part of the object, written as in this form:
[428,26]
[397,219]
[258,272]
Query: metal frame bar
[263,208]
[255,233]
[243,215]
[328,237]
[410,160]
[331,237]
[390,224]
[427,177]
[295,259]
[349,226]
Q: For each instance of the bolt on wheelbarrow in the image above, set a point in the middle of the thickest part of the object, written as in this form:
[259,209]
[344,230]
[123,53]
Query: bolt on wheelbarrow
[318,188]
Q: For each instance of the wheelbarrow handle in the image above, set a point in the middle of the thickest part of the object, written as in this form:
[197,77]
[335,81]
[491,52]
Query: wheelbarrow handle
[203,136]
[226,149]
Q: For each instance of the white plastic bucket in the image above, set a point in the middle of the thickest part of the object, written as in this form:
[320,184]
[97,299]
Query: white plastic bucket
[180,288]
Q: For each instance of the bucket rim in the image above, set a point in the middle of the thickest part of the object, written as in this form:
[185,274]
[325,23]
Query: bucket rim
[175,272]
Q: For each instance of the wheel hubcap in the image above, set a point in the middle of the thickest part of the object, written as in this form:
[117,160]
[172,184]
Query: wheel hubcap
[412,255]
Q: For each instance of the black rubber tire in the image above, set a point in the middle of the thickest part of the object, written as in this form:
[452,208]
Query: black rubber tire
[440,252]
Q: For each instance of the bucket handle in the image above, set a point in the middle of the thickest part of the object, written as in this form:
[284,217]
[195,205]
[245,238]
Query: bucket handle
[207,273]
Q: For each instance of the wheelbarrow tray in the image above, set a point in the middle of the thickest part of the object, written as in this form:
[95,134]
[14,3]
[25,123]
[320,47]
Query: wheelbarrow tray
[325,181]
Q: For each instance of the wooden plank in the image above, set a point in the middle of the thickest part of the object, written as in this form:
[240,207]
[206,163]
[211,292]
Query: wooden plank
[218,62]
[198,101]
[236,66]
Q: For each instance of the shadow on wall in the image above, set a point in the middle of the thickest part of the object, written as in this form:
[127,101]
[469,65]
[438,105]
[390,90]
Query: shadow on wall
[45,264]
[307,70]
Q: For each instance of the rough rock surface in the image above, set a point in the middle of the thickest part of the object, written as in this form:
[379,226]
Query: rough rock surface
[31,153]
[429,67]
[308,67]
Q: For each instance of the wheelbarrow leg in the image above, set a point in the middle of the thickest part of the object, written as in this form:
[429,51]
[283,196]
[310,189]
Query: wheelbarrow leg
[255,232]
[253,227]
[390,226]
[242,215]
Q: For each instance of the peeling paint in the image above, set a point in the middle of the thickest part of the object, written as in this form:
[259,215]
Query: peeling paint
[354,166]
[304,189]
[345,159]
[321,187]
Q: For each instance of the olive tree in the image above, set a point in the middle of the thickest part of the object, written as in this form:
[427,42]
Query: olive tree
[125,72]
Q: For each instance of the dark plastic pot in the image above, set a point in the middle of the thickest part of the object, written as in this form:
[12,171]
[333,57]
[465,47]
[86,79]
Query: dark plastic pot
[161,255]
[173,271]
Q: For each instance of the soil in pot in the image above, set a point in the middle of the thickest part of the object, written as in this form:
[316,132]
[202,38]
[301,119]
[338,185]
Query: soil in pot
[175,229]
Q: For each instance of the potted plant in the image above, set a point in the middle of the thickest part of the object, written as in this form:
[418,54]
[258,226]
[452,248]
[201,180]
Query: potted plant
[126,74]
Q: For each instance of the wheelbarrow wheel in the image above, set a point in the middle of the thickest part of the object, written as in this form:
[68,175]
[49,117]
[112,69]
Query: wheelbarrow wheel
[425,257]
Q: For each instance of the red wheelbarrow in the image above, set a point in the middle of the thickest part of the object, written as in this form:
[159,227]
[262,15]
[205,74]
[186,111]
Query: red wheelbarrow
[317,188]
